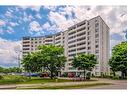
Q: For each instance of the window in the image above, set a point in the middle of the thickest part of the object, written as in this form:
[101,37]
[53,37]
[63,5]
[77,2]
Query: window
[26,45]
[82,23]
[97,51]
[95,20]
[80,39]
[88,33]
[58,38]
[81,29]
[57,42]
[80,34]
[96,35]
[81,48]
[88,37]
[71,37]
[88,43]
[81,43]
[72,50]
[97,41]
[71,41]
[48,40]
[96,30]
[88,28]
[70,59]
[72,33]
[72,46]
[96,24]
[97,46]
[89,48]
[25,48]
[26,42]
[72,55]
[87,23]
[70,64]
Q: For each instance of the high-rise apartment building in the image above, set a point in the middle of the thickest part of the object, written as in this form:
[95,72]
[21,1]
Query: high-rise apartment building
[89,36]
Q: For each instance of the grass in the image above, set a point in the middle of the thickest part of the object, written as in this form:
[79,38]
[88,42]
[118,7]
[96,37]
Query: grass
[69,86]
[13,79]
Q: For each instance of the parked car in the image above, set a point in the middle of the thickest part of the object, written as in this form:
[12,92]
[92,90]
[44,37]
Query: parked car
[32,75]
[44,75]
[71,75]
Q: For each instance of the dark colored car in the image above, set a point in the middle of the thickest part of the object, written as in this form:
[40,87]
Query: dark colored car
[32,75]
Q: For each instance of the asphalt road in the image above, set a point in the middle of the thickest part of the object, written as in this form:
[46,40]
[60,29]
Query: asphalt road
[116,84]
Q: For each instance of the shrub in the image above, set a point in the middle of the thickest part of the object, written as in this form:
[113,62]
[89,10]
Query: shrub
[1,77]
[88,75]
[115,77]
[65,74]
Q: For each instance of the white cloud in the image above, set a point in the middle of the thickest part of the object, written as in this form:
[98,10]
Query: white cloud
[52,8]
[34,26]
[8,14]
[46,26]
[13,24]
[59,20]
[38,16]
[10,30]
[35,8]
[8,53]
[2,23]
[27,17]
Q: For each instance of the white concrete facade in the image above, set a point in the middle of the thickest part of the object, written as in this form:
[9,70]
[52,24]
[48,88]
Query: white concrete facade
[88,36]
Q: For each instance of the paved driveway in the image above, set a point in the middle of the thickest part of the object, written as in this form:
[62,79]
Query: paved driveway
[117,84]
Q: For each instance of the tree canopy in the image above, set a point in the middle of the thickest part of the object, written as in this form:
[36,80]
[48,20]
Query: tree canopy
[85,62]
[50,57]
[118,61]
[10,70]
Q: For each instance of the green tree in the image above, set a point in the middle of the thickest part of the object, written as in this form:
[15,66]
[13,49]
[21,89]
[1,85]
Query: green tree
[1,70]
[30,63]
[118,60]
[52,58]
[85,62]
[112,66]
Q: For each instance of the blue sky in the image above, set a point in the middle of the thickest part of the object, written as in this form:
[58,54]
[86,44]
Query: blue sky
[19,21]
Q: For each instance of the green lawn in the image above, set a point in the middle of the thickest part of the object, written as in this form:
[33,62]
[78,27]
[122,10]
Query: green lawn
[68,86]
[13,79]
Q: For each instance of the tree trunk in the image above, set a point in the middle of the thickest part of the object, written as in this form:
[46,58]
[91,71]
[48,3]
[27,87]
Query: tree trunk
[29,75]
[125,73]
[84,74]
[122,74]
[114,74]
[51,74]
